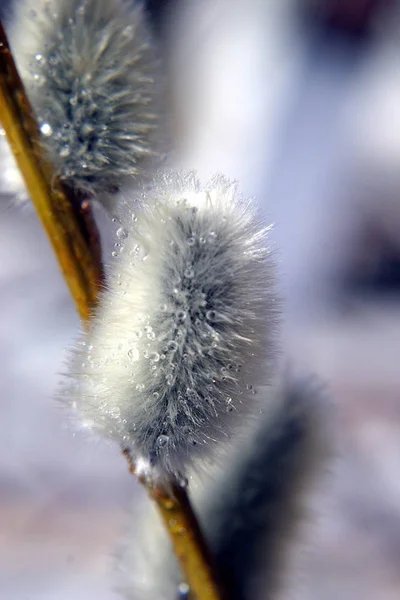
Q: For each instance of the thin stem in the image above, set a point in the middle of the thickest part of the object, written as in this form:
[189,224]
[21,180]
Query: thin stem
[69,230]
[186,536]
[72,231]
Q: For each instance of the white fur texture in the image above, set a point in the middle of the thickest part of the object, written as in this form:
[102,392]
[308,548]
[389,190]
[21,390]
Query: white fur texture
[11,183]
[252,509]
[184,332]
[91,75]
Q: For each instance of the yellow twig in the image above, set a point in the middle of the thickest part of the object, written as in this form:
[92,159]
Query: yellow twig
[187,539]
[73,234]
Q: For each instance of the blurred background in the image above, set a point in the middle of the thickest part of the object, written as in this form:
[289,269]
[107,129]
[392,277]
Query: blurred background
[300,101]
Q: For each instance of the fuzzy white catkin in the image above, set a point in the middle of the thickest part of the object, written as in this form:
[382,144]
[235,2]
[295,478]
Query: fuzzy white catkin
[251,510]
[91,74]
[184,332]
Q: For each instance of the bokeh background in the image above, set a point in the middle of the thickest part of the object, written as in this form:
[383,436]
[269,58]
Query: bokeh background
[300,101]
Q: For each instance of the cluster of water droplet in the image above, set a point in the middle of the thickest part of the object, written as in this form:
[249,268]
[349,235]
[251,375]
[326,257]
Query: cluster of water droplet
[180,348]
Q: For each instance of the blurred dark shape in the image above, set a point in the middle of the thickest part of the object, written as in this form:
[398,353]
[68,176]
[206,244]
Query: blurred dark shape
[158,11]
[5,5]
[375,268]
[350,18]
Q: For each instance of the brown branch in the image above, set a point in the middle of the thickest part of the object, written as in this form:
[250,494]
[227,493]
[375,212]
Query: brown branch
[68,232]
[186,536]
[69,223]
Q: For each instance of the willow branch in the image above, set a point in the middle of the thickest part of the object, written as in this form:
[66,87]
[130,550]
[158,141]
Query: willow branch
[187,539]
[67,223]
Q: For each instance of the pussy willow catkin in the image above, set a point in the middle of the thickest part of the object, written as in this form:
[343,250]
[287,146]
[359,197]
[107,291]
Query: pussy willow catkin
[184,331]
[90,72]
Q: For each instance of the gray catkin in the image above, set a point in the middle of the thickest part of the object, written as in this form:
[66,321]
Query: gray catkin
[90,71]
[186,328]
[255,512]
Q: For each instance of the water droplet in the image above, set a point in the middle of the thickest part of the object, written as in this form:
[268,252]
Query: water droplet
[188,272]
[114,254]
[154,357]
[39,79]
[114,412]
[162,441]
[191,241]
[121,233]
[133,354]
[210,315]
[249,386]
[182,481]
[183,591]
[181,315]
[65,151]
[46,129]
